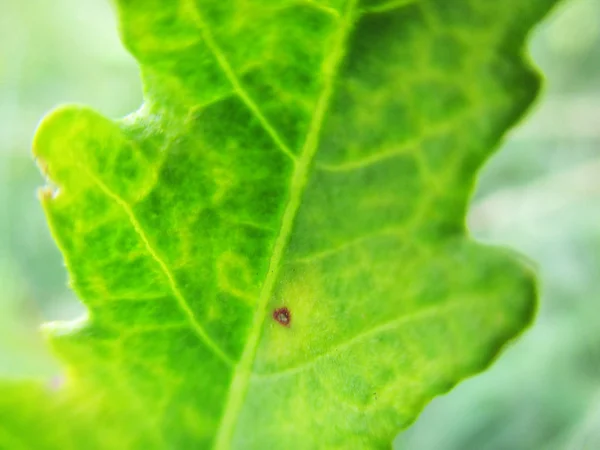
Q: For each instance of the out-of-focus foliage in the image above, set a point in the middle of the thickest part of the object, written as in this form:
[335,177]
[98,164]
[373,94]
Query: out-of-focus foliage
[541,194]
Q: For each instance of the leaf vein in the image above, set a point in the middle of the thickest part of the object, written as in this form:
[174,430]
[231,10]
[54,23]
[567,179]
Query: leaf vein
[313,257]
[389,6]
[243,372]
[381,328]
[181,301]
[233,79]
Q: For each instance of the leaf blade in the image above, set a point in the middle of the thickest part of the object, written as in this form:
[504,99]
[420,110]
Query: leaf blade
[203,212]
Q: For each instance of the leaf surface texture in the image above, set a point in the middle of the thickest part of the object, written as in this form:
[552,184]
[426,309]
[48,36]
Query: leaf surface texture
[310,155]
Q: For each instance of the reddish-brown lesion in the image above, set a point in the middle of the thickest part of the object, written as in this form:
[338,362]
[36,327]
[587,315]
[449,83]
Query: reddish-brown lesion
[283,316]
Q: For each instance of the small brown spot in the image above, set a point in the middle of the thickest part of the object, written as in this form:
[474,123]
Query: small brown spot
[283,316]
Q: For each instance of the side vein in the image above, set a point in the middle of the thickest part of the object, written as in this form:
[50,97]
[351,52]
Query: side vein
[378,329]
[389,6]
[182,302]
[235,83]
[243,371]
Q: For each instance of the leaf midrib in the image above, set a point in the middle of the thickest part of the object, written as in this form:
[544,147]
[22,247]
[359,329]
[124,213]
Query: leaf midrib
[243,370]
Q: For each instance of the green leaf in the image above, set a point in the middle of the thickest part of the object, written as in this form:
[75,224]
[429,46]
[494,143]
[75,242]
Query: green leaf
[314,156]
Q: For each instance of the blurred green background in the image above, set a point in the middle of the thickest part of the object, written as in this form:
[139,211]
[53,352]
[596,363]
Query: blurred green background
[540,194]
